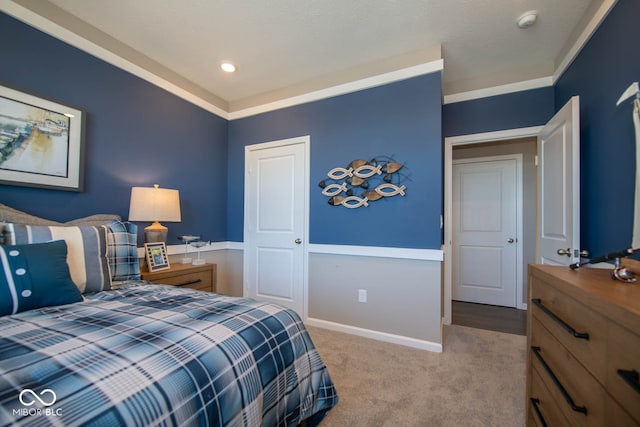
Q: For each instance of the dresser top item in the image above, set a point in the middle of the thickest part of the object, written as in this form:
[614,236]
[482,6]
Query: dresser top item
[594,287]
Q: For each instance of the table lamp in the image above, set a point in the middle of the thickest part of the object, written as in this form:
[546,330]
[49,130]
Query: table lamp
[154,204]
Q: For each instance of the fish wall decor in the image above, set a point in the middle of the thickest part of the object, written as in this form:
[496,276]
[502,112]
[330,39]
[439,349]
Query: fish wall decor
[362,182]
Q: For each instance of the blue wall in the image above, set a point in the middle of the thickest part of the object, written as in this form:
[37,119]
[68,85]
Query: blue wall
[401,119]
[608,63]
[511,111]
[136,135]
[202,155]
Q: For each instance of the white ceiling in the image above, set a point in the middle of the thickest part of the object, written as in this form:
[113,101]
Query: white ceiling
[284,48]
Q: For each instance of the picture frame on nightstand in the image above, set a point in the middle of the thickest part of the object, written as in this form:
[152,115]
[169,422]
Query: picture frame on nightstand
[156,255]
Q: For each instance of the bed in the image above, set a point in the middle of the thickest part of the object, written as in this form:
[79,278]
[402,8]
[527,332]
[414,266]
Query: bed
[124,352]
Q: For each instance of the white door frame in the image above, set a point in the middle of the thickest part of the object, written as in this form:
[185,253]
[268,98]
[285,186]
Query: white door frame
[519,213]
[306,141]
[449,143]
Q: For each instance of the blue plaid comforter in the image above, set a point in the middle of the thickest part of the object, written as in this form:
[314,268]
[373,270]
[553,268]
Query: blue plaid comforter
[146,355]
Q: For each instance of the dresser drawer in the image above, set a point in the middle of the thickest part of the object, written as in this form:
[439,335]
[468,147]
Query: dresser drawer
[547,413]
[623,359]
[200,280]
[580,397]
[618,417]
[560,314]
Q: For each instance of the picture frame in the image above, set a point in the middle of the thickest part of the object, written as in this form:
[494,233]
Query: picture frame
[41,142]
[156,255]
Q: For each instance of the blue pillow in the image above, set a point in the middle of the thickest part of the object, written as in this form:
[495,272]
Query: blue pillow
[34,276]
[122,249]
[86,251]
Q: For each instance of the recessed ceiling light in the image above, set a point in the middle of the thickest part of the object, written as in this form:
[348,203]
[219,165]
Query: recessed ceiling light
[527,19]
[227,67]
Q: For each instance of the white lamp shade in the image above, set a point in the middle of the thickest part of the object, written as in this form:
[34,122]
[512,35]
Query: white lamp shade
[154,204]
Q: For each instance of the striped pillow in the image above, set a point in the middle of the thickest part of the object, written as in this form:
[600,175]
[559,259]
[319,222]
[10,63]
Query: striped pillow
[87,251]
[122,245]
[34,276]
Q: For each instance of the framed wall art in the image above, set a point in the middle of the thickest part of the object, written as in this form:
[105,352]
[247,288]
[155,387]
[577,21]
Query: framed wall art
[41,142]
[156,254]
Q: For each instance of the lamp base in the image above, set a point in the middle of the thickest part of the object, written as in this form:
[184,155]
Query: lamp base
[199,261]
[186,260]
[156,232]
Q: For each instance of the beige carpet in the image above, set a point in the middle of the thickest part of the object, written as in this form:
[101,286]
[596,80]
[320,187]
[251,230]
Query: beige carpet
[478,380]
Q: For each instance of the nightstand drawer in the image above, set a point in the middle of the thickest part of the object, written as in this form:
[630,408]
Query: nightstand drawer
[200,280]
[200,277]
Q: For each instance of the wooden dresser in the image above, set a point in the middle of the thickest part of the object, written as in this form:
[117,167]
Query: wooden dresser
[583,337]
[200,277]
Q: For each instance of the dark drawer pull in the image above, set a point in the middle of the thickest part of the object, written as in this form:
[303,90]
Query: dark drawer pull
[631,377]
[535,402]
[582,409]
[191,282]
[565,326]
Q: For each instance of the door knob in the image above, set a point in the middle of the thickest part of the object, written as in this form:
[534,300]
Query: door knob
[298,241]
[510,240]
[566,252]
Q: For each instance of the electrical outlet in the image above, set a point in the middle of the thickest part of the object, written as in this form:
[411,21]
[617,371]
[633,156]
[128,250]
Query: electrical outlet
[362,295]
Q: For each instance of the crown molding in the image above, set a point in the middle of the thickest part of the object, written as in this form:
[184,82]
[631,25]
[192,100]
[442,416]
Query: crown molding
[354,86]
[499,90]
[584,37]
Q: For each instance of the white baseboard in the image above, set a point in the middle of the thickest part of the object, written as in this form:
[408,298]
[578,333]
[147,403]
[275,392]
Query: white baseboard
[376,335]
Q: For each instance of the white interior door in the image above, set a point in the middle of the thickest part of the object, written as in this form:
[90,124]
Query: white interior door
[485,230]
[559,187]
[275,226]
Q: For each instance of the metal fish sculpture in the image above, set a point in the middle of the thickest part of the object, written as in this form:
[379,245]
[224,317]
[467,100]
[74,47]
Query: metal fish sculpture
[353,202]
[356,181]
[350,202]
[392,167]
[378,172]
[336,200]
[388,190]
[340,173]
[355,164]
[367,171]
[334,189]
[372,196]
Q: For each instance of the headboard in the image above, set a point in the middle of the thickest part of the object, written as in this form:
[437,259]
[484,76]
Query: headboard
[11,215]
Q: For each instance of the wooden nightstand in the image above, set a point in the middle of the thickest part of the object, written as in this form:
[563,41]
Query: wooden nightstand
[200,277]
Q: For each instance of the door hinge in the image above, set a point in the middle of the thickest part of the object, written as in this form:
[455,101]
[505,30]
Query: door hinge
[535,160]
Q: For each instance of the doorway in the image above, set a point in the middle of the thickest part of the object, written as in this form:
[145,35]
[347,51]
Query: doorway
[512,141]
[276,212]
[487,230]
